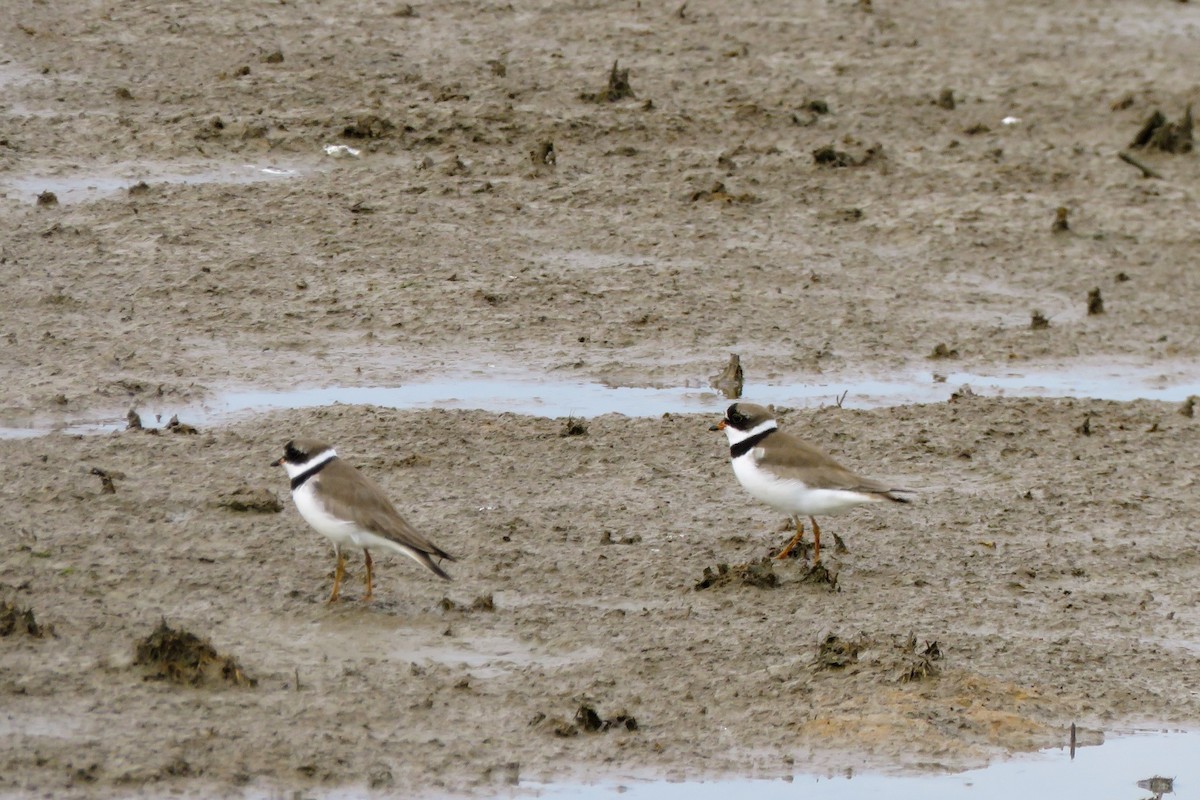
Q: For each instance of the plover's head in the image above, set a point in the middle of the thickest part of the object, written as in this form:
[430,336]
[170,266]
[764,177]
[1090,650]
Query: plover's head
[743,420]
[300,454]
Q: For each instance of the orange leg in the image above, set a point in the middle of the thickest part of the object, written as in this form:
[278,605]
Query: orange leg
[367,553]
[816,540]
[795,539]
[338,574]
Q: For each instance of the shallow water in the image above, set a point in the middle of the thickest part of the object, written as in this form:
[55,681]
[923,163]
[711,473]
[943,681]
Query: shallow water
[530,393]
[1111,770]
[93,183]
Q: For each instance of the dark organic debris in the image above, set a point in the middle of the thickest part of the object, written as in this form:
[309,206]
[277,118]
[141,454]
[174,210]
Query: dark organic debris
[589,720]
[16,620]
[828,156]
[834,652]
[820,575]
[1038,321]
[483,602]
[1095,303]
[730,380]
[106,481]
[543,154]
[607,538]
[182,657]
[921,662]
[1159,133]
[574,426]
[1060,224]
[1147,172]
[245,498]
[1188,408]
[719,194]
[1157,786]
[618,88]
[1085,428]
[942,350]
[141,187]
[368,126]
[964,392]
[760,574]
[273,57]
[47,199]
[175,426]
[946,99]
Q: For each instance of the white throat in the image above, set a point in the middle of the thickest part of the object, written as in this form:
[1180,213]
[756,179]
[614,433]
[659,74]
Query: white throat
[299,469]
[736,436]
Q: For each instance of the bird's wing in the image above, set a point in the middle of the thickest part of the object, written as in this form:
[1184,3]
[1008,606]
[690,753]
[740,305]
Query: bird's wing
[798,460]
[364,502]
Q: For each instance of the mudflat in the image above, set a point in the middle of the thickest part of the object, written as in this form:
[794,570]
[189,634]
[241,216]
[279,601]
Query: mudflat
[846,188]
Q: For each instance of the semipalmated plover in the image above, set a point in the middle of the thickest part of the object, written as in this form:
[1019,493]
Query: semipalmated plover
[793,476]
[350,509]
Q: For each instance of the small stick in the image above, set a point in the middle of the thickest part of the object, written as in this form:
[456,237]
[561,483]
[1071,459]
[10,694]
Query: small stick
[1072,727]
[1072,741]
[1147,172]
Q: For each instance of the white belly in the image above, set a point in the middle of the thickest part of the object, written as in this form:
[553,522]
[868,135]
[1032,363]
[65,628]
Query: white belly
[339,531]
[793,496]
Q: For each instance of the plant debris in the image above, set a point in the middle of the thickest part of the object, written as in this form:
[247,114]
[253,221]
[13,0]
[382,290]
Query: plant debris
[820,575]
[1095,303]
[760,574]
[1038,321]
[175,426]
[574,426]
[719,194]
[182,657]
[943,350]
[1158,133]
[730,380]
[106,481]
[1060,224]
[16,620]
[618,87]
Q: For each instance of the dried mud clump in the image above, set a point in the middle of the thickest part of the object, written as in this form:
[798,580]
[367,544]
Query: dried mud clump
[943,350]
[1038,321]
[919,662]
[574,426]
[760,574]
[730,380]
[1159,133]
[175,426]
[368,126]
[719,194]
[182,657]
[1095,303]
[819,575]
[834,652]
[901,659]
[17,621]
[587,720]
[618,88]
[1061,222]
[246,499]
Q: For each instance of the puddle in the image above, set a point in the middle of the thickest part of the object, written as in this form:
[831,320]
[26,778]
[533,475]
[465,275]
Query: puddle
[86,185]
[1112,770]
[525,393]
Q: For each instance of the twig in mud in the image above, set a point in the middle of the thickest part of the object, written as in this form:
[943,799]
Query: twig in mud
[841,398]
[1147,172]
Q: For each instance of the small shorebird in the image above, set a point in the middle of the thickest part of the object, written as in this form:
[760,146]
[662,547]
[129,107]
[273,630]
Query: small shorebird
[793,476]
[350,509]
